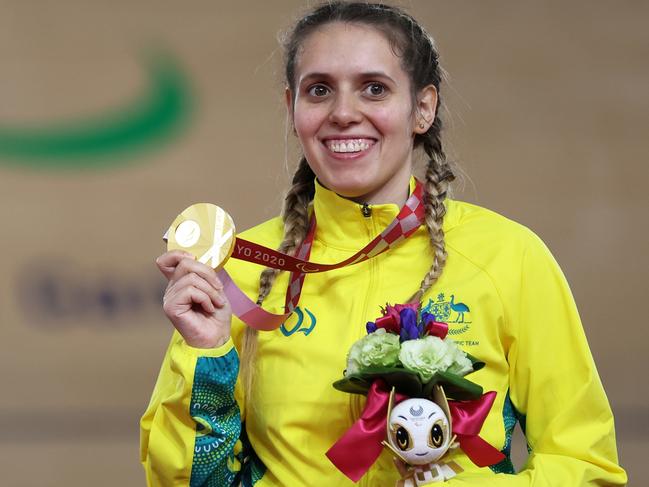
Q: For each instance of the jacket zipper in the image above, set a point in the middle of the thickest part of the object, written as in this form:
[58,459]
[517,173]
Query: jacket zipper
[366,211]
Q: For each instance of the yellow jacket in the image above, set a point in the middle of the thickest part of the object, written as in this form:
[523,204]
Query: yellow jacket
[506,302]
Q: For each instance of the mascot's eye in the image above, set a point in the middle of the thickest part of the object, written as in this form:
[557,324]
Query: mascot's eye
[403,438]
[436,435]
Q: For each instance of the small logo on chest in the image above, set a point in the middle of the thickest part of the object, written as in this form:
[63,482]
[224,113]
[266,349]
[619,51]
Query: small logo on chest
[303,321]
[452,311]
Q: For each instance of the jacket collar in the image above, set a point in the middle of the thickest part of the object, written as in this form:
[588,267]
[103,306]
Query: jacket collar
[341,223]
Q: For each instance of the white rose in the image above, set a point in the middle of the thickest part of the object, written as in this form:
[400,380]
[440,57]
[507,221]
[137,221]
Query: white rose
[426,356]
[376,349]
[461,363]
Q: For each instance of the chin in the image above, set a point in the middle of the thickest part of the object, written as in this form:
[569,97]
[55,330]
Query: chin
[348,187]
[358,194]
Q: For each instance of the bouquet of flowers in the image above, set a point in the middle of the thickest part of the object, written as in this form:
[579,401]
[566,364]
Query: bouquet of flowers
[406,354]
[409,350]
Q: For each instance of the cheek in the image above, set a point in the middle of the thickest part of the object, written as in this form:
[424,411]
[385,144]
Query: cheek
[392,122]
[307,122]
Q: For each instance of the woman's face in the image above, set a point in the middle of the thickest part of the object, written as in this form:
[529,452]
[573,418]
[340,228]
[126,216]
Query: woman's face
[353,113]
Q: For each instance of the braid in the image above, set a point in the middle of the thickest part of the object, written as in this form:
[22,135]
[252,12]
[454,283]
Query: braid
[296,221]
[437,180]
[296,225]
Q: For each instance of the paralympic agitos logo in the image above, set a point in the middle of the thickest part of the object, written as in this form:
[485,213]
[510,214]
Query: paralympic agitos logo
[152,117]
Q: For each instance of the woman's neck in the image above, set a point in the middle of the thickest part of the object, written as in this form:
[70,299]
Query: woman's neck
[394,192]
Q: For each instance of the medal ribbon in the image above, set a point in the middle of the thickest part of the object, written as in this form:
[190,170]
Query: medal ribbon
[407,221]
[410,218]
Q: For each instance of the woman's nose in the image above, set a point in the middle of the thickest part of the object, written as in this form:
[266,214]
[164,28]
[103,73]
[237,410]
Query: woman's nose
[345,110]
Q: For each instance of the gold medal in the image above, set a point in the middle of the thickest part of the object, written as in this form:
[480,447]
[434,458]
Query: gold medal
[205,231]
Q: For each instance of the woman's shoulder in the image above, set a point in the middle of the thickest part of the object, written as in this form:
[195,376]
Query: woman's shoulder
[482,234]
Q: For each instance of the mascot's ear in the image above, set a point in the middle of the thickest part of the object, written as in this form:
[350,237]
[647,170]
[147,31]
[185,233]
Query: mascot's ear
[386,442]
[387,418]
[439,398]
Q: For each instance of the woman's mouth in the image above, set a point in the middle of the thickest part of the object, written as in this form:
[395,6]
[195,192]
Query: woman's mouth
[338,146]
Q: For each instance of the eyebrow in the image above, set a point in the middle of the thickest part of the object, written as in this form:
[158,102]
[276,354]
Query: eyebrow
[365,75]
[402,417]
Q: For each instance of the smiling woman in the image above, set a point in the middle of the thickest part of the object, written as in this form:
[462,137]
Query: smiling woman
[355,115]
[363,92]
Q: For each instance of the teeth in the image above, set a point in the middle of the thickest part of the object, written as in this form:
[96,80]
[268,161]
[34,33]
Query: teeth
[356,145]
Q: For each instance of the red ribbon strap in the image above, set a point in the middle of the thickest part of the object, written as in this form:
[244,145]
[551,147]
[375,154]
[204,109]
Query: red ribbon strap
[355,452]
[468,418]
[437,329]
[388,322]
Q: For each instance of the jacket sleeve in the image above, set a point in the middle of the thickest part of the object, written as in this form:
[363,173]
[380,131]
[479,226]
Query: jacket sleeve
[555,386]
[190,432]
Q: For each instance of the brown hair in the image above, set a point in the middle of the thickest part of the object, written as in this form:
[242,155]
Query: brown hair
[419,59]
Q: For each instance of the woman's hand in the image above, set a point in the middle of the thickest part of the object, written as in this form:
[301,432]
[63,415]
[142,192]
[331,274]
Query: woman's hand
[194,300]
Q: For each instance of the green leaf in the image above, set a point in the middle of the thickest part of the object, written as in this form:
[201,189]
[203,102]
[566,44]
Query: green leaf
[409,383]
[477,364]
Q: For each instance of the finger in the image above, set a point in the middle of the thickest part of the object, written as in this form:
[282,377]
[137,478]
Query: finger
[187,266]
[193,279]
[203,299]
[168,261]
[184,300]
[222,298]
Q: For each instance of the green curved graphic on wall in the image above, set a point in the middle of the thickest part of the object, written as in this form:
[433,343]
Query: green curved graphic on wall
[106,139]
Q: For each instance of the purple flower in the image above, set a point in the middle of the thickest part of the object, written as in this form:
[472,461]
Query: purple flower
[400,307]
[426,317]
[370,327]
[409,329]
[403,334]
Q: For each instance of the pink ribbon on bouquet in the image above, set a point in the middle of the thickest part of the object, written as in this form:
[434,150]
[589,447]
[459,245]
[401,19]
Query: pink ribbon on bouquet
[467,419]
[357,450]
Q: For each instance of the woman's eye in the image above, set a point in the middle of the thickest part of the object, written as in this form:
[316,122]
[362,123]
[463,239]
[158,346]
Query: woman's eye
[376,89]
[318,90]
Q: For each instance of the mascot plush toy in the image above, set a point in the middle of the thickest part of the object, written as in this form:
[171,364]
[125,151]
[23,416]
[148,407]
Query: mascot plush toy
[419,433]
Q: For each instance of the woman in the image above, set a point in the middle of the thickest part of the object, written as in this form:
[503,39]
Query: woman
[363,93]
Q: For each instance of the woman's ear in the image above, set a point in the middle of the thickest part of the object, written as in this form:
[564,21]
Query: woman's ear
[425,109]
[288,99]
